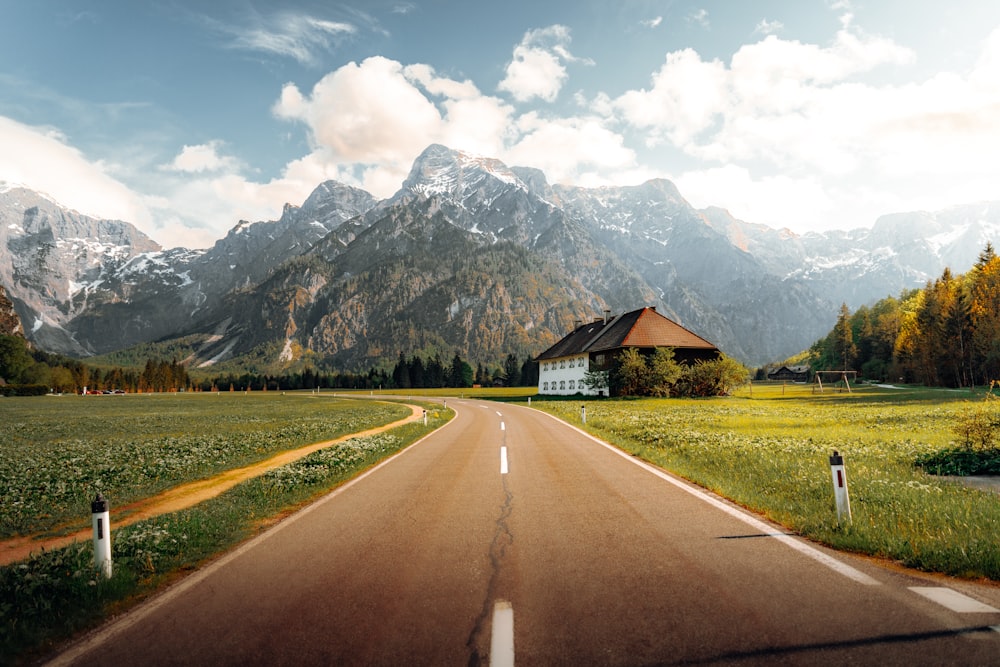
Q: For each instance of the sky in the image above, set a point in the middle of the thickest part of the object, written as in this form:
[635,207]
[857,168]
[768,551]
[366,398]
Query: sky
[184,117]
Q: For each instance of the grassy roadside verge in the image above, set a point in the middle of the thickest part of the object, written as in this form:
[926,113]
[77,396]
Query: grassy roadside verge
[55,594]
[770,453]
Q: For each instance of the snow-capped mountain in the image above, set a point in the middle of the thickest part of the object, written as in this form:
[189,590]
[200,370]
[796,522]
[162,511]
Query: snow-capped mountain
[470,255]
[51,258]
[901,251]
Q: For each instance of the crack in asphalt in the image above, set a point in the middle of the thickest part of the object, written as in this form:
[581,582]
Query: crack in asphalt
[502,538]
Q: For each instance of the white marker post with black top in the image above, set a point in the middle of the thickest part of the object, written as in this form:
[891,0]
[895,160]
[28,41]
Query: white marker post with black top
[101,518]
[839,474]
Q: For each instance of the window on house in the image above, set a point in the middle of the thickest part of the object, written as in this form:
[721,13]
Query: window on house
[572,385]
[562,384]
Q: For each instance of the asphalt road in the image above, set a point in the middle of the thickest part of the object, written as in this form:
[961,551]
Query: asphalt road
[508,536]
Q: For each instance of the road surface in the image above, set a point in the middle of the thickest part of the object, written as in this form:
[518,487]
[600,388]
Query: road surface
[508,536]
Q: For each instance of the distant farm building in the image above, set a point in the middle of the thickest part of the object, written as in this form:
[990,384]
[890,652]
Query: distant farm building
[790,374]
[593,347]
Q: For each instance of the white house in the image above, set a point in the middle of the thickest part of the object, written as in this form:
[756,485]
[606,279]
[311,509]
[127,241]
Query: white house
[592,347]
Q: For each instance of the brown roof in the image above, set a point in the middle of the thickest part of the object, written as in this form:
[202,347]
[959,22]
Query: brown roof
[640,328]
[576,341]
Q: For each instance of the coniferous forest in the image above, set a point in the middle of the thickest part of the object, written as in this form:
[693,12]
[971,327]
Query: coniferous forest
[946,334]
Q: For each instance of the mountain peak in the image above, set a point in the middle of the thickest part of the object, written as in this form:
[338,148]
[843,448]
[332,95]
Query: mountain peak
[329,192]
[442,170]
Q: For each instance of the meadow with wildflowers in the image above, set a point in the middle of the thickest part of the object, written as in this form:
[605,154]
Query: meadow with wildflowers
[56,453]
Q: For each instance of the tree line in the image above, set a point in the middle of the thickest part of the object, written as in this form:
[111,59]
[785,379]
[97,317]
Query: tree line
[26,371]
[946,334]
[417,372]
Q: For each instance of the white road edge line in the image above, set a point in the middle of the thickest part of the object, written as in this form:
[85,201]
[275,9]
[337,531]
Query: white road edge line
[502,639]
[803,548]
[503,460]
[953,600]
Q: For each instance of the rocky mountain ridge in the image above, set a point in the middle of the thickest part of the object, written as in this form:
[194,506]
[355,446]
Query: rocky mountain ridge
[470,255]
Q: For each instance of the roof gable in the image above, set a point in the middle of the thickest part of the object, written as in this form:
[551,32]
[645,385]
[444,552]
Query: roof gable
[576,342]
[640,328]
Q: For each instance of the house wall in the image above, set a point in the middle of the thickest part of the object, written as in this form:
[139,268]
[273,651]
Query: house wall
[564,376]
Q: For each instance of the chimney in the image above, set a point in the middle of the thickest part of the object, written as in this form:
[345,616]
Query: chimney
[607,314]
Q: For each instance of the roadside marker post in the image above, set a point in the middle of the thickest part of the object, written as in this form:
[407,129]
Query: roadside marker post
[839,474]
[101,519]
[425,418]
[583,414]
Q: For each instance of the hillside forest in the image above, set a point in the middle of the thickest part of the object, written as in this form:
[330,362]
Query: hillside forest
[946,334]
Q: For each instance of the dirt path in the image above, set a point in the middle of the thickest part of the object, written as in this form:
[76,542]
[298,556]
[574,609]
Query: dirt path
[181,497]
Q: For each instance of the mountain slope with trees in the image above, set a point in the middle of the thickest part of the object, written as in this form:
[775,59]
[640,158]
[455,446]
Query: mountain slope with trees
[945,334]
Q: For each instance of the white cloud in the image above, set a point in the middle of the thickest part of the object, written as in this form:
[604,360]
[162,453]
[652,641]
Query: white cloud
[805,111]
[537,68]
[766,27]
[200,195]
[368,113]
[777,201]
[297,36]
[379,115]
[565,148]
[41,159]
[686,96]
[652,23]
[781,101]
[202,158]
[700,17]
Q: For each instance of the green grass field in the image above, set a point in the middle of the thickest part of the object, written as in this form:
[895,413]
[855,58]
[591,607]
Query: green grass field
[56,453]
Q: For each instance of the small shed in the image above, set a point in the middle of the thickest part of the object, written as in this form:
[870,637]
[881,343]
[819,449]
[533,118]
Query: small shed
[790,374]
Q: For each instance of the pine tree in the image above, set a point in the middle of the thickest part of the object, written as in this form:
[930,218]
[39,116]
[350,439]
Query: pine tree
[511,371]
[844,349]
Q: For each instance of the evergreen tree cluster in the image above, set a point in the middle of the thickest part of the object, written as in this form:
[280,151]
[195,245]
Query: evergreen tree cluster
[946,334]
[23,370]
[416,372]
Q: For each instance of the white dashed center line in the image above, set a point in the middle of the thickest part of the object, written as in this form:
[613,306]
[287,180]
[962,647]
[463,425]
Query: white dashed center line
[502,641]
[503,460]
